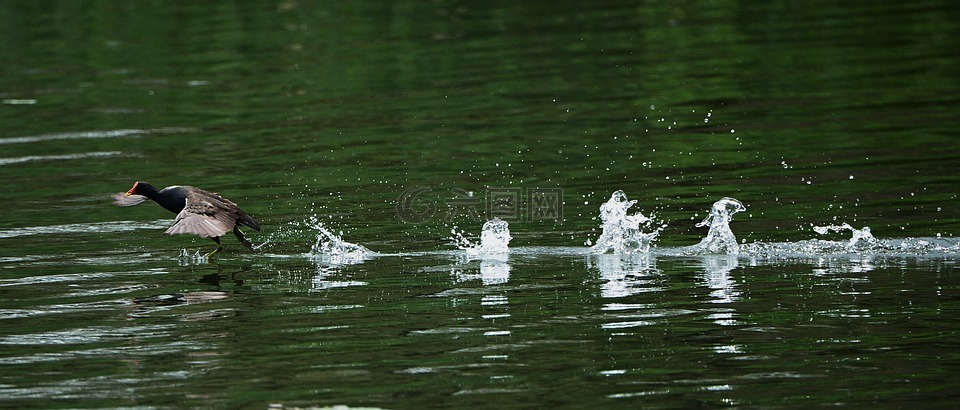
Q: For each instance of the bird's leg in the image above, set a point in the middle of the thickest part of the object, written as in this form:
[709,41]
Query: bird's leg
[215,251]
[243,239]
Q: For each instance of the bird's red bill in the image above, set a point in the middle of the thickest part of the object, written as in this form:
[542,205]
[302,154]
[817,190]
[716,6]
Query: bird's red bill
[133,188]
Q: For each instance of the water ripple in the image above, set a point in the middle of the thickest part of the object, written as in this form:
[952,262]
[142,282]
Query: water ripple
[93,134]
[70,277]
[95,154]
[101,227]
[85,335]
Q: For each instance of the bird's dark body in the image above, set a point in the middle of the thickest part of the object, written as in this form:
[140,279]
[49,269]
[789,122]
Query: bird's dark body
[172,198]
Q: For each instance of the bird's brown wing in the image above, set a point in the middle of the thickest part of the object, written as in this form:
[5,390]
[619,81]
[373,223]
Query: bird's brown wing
[121,199]
[202,216]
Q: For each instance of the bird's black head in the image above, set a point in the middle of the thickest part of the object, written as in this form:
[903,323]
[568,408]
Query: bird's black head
[141,188]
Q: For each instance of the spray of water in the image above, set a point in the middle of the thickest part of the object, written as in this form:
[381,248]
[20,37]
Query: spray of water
[494,239]
[861,243]
[861,238]
[329,244]
[191,258]
[623,233]
[720,239]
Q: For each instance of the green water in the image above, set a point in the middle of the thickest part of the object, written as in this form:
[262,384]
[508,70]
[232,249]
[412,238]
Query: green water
[378,119]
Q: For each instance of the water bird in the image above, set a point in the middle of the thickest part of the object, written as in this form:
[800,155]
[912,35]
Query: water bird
[199,212]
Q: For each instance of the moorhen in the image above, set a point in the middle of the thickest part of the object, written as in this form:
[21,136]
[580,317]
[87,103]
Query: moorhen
[199,212]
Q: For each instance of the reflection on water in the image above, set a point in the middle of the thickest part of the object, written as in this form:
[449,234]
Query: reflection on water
[328,276]
[100,227]
[493,269]
[478,326]
[716,276]
[625,275]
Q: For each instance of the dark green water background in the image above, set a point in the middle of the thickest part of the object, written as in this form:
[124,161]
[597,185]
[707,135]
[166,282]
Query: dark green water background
[810,113]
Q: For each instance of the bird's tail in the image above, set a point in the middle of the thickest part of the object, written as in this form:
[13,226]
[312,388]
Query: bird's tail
[247,220]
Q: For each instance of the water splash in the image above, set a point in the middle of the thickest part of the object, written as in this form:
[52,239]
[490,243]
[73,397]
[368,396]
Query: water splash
[862,243]
[494,239]
[623,233]
[187,258]
[459,239]
[329,244]
[862,238]
[720,240]
[292,238]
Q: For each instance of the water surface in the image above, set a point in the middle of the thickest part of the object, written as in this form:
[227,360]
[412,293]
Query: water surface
[390,124]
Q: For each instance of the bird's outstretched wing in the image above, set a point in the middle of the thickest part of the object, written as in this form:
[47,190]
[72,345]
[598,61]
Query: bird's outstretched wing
[121,199]
[202,217]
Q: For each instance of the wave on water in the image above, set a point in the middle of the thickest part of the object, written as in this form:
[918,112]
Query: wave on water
[93,134]
[82,155]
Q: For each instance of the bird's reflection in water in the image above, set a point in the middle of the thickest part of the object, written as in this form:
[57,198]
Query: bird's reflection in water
[218,279]
[150,305]
[221,278]
[145,305]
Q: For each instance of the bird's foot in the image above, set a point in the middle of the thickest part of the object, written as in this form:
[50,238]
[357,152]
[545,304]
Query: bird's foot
[213,252]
